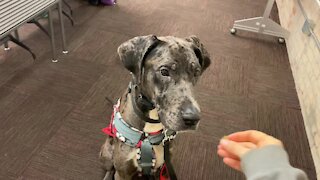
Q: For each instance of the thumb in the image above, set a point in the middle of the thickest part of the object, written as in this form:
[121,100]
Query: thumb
[234,148]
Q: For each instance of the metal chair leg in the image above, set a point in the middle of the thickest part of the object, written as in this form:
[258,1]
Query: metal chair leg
[54,56]
[6,46]
[16,34]
[64,51]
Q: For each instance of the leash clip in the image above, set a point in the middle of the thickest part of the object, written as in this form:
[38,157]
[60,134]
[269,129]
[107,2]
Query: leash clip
[168,136]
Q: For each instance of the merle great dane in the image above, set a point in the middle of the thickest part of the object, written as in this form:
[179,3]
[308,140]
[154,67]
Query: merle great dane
[161,96]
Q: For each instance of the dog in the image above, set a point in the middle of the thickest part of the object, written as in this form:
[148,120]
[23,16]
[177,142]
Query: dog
[160,97]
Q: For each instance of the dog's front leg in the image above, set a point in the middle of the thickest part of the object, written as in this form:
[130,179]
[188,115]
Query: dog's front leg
[117,176]
[106,154]
[109,175]
[122,176]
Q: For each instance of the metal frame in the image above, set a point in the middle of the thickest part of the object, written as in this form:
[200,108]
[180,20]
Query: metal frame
[262,25]
[53,46]
[64,50]
[51,28]
[6,44]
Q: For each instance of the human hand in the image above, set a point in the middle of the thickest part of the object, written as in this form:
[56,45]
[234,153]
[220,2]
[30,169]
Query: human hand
[236,145]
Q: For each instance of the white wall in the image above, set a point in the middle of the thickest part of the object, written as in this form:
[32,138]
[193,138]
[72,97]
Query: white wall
[305,64]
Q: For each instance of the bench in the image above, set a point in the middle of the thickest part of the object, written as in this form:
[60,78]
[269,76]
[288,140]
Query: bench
[15,13]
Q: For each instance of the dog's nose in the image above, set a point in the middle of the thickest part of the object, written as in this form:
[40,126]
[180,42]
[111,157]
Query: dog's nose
[190,115]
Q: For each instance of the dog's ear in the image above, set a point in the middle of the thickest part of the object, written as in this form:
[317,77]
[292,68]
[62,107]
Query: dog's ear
[134,52]
[200,51]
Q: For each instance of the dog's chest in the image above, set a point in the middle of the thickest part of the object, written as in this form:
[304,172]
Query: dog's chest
[159,153]
[157,149]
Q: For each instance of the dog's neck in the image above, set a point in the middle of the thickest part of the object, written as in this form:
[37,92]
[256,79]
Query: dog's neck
[130,115]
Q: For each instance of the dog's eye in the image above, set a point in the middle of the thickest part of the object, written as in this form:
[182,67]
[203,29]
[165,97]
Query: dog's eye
[164,72]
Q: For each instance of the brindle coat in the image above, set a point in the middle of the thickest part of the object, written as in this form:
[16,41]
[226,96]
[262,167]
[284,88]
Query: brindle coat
[165,69]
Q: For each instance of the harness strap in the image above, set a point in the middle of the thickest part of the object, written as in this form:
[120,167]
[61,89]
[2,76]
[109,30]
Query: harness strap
[156,139]
[167,160]
[146,162]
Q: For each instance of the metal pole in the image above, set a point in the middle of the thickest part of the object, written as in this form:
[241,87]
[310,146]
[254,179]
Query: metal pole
[16,34]
[268,9]
[6,46]
[54,56]
[64,49]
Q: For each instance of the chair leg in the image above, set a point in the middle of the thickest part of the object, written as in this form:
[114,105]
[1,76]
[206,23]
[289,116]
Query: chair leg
[54,56]
[16,34]
[65,51]
[6,46]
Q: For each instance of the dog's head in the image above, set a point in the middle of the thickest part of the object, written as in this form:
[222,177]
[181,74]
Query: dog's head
[166,70]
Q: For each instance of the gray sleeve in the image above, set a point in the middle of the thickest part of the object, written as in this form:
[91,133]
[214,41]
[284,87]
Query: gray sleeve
[270,162]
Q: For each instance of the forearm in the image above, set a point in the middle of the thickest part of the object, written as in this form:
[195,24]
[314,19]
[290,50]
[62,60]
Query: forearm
[270,162]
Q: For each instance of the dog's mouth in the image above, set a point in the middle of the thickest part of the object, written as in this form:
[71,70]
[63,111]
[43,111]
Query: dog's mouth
[179,125]
[187,128]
